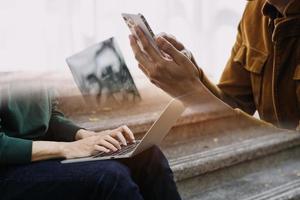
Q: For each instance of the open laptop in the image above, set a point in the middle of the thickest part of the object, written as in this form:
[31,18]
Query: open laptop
[102,76]
[154,135]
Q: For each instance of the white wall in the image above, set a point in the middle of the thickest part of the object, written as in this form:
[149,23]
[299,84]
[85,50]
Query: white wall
[40,34]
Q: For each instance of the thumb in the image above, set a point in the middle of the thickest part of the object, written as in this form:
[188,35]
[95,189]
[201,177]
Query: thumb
[168,48]
[172,39]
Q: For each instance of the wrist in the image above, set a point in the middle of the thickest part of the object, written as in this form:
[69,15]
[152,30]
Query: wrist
[194,84]
[195,92]
[64,149]
[80,134]
[44,150]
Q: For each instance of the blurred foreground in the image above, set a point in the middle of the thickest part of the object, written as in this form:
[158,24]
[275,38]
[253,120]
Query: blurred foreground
[215,152]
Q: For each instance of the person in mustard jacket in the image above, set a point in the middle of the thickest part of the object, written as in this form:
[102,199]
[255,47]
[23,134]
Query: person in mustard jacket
[262,74]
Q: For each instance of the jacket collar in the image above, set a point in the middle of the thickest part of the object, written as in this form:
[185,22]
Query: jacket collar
[273,8]
[286,27]
[286,21]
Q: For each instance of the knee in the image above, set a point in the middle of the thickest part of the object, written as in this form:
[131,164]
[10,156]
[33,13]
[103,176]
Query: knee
[156,160]
[113,172]
[114,179]
[155,152]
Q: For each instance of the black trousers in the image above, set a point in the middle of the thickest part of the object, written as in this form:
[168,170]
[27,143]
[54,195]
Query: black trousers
[145,176]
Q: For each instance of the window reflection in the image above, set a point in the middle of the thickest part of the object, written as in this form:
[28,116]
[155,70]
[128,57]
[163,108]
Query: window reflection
[40,34]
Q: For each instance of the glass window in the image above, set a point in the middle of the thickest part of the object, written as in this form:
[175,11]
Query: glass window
[40,34]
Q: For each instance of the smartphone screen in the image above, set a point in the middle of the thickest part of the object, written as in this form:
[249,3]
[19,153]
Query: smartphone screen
[133,20]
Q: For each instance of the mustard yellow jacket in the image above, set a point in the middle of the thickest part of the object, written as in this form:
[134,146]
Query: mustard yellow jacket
[263,72]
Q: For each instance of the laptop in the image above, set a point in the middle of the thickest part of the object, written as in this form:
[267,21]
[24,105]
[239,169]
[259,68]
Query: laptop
[102,76]
[154,136]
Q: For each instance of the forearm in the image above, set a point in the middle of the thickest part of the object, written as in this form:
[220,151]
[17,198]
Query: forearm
[14,150]
[215,90]
[44,150]
[62,129]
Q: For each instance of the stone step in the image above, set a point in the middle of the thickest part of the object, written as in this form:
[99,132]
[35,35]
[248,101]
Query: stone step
[273,177]
[197,163]
[140,121]
[290,190]
[203,144]
[214,154]
[199,146]
[212,127]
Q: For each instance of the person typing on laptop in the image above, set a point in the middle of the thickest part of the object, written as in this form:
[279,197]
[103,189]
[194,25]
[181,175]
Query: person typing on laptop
[35,136]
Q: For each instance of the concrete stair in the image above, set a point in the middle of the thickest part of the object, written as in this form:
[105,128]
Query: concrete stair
[192,165]
[216,154]
[273,177]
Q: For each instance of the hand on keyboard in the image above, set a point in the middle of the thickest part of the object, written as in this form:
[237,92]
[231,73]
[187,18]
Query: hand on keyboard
[89,142]
[124,150]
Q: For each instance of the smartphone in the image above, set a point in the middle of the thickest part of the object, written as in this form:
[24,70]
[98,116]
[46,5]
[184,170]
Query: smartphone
[133,20]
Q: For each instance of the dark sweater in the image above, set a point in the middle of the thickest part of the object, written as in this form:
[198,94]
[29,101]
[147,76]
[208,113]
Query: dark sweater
[28,115]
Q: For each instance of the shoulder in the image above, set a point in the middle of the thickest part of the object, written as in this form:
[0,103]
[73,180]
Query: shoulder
[254,7]
[254,24]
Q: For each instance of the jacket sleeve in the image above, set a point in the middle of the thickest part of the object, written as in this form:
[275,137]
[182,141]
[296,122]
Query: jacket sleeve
[61,128]
[14,150]
[234,87]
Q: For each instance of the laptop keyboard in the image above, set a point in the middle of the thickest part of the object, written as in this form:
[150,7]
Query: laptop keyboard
[124,150]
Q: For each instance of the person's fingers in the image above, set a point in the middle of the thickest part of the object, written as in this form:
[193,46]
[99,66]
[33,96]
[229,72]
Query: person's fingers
[148,47]
[187,53]
[107,144]
[167,47]
[113,141]
[172,39]
[101,148]
[127,133]
[144,69]
[178,45]
[105,132]
[138,53]
[120,137]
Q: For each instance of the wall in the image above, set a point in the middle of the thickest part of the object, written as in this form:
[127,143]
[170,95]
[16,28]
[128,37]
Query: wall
[40,34]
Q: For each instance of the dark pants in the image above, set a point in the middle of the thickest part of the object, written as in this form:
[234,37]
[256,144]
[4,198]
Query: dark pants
[145,176]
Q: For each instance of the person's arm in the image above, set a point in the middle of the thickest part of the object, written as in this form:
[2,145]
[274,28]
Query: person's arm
[234,87]
[21,151]
[105,141]
[201,75]
[178,76]
[44,150]
[14,150]
[61,128]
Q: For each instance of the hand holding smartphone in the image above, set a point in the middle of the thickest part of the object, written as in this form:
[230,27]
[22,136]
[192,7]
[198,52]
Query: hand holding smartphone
[133,20]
